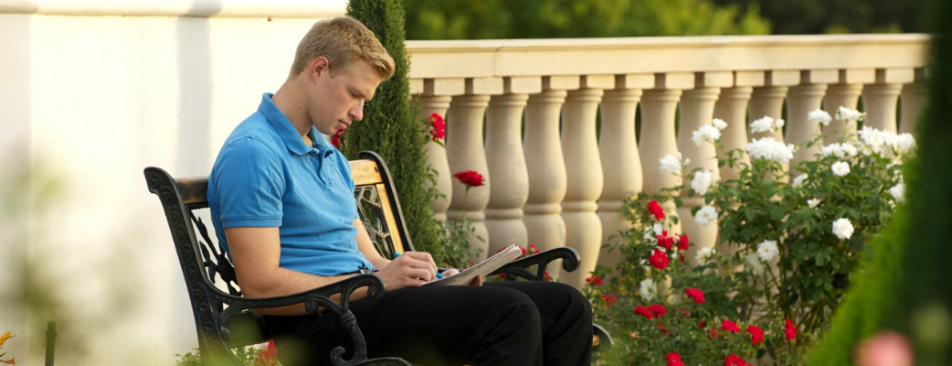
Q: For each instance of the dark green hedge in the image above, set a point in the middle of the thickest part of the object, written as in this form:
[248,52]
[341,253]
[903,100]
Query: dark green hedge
[391,126]
[906,283]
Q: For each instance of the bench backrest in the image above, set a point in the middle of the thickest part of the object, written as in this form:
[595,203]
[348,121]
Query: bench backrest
[202,259]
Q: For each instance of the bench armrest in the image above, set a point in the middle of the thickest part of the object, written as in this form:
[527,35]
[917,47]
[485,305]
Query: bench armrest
[519,268]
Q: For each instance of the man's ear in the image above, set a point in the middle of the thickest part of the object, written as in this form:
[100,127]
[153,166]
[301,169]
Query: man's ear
[318,67]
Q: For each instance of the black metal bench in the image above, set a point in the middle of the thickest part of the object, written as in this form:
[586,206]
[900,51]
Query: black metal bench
[223,319]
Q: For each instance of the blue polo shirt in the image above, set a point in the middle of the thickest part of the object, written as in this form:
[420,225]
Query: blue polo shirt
[266,176]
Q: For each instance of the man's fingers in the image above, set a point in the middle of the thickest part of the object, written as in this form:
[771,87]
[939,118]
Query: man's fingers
[420,260]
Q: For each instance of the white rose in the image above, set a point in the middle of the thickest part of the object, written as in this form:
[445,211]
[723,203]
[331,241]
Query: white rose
[769,149]
[819,116]
[905,142]
[704,254]
[849,149]
[840,168]
[777,124]
[842,228]
[846,114]
[657,228]
[798,181]
[719,123]
[813,202]
[898,192]
[873,140]
[705,133]
[754,264]
[765,124]
[671,164]
[767,250]
[648,290]
[702,181]
[705,215]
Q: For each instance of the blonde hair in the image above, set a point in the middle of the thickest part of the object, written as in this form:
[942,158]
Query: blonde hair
[342,40]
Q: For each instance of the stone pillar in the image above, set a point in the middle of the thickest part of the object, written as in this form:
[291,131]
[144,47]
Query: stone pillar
[801,100]
[697,109]
[914,97]
[880,98]
[547,177]
[436,155]
[732,108]
[464,149]
[583,228]
[844,93]
[658,107]
[621,163]
[507,166]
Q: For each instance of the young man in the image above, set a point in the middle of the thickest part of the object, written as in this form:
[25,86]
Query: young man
[281,200]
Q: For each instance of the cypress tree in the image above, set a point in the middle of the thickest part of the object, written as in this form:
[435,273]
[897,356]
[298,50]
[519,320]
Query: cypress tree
[391,126]
[906,284]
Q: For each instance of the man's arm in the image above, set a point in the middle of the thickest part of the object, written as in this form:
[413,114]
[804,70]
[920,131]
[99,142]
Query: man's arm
[256,254]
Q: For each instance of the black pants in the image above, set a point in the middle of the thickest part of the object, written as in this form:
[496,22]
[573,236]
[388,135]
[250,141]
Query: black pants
[500,323]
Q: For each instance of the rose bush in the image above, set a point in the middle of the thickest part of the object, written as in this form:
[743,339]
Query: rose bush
[785,252]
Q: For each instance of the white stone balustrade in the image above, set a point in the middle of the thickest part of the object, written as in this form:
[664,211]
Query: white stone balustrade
[555,182]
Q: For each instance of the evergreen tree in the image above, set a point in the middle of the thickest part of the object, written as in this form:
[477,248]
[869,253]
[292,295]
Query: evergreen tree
[391,126]
[905,285]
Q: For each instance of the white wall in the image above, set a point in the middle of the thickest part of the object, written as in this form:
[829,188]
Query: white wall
[93,100]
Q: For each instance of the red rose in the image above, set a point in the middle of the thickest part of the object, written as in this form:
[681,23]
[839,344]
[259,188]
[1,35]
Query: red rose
[658,310]
[533,247]
[695,294]
[609,299]
[644,311]
[438,129]
[659,259]
[756,335]
[664,240]
[674,359]
[734,360]
[790,331]
[663,329]
[594,280]
[713,333]
[269,357]
[470,178]
[336,139]
[654,208]
[729,326]
[683,243]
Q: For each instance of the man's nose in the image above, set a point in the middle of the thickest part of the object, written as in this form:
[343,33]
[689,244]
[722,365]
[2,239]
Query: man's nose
[357,112]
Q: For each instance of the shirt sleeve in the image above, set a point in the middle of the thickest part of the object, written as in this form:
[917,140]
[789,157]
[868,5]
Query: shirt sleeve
[250,183]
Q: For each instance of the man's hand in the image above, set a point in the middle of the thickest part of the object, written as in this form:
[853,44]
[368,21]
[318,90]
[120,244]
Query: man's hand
[412,269]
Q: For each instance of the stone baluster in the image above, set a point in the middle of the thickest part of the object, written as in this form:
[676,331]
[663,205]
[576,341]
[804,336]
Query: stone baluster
[697,109]
[464,149]
[658,108]
[583,228]
[881,98]
[731,107]
[844,93]
[507,164]
[436,97]
[914,97]
[621,163]
[546,167]
[801,100]
[768,100]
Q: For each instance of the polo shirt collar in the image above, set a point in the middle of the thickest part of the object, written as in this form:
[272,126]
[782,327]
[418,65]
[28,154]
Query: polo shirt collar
[288,133]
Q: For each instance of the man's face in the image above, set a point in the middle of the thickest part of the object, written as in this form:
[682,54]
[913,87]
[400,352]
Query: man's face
[335,102]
